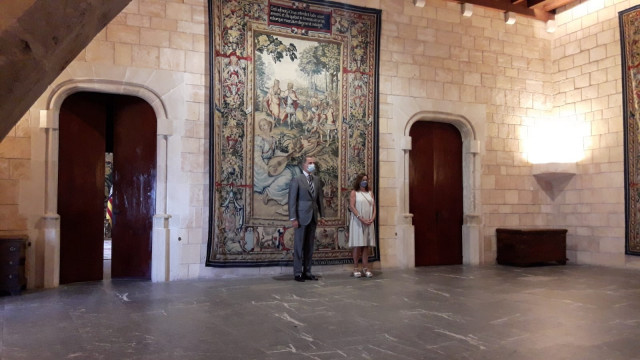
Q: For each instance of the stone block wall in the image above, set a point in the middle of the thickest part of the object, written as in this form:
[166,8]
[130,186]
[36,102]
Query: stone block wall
[15,154]
[587,82]
[155,49]
[434,54]
[172,37]
[518,75]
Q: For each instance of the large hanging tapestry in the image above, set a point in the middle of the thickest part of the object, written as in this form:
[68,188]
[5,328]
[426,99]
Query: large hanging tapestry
[289,79]
[630,39]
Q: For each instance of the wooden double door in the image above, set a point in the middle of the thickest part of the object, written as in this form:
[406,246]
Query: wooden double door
[90,125]
[435,193]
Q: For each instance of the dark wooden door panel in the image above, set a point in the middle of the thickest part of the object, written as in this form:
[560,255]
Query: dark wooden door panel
[421,188]
[81,187]
[90,122]
[435,193]
[134,162]
[448,187]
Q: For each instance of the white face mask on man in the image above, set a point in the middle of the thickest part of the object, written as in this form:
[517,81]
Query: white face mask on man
[311,168]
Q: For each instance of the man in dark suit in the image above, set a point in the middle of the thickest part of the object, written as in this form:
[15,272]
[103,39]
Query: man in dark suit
[305,212]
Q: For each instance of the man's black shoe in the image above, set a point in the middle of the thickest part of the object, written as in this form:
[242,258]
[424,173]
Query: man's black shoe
[310,277]
[299,278]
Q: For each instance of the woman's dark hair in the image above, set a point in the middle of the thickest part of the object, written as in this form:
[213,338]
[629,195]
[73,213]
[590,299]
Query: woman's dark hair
[356,184]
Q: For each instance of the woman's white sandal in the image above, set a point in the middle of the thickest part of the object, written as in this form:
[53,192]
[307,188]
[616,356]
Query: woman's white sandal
[367,273]
[356,273]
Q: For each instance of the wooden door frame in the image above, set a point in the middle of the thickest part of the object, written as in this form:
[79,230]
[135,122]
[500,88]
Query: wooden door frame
[472,249]
[49,120]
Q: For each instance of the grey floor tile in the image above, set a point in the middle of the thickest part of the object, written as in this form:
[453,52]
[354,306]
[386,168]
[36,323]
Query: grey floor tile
[446,312]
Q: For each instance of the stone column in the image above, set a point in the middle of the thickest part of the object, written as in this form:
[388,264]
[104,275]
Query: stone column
[405,250]
[472,246]
[51,219]
[160,248]
[161,235]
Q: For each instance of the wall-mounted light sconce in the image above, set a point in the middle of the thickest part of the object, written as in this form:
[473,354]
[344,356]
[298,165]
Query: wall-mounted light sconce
[419,3]
[553,177]
[466,9]
[556,141]
[551,26]
[509,18]
[553,147]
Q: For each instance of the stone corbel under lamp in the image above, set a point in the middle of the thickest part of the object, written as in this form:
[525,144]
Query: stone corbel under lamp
[554,177]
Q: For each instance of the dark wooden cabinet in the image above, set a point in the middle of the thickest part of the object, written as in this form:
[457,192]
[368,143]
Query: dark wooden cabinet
[12,260]
[524,247]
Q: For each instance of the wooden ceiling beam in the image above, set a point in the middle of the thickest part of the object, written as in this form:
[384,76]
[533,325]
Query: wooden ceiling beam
[535,4]
[547,5]
[506,5]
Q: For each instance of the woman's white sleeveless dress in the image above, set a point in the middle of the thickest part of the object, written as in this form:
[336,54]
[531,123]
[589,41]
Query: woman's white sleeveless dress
[359,233]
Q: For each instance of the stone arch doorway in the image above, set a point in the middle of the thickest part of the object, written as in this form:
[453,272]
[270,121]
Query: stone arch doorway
[51,221]
[471,132]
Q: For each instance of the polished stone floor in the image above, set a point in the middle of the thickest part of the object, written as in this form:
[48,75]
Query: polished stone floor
[451,312]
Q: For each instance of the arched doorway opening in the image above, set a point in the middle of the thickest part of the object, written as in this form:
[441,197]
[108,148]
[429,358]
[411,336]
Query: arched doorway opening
[471,133]
[165,254]
[92,128]
[435,193]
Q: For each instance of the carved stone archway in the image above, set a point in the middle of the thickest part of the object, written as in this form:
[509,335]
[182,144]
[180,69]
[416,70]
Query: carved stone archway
[49,121]
[469,119]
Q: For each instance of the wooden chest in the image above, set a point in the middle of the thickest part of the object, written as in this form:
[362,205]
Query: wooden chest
[12,259]
[524,247]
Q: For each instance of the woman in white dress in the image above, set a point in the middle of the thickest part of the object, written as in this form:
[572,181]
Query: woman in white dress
[361,229]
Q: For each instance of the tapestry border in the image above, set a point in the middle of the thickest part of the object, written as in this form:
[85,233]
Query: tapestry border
[631,144]
[372,147]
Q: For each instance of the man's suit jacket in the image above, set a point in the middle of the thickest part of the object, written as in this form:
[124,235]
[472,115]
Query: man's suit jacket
[302,206]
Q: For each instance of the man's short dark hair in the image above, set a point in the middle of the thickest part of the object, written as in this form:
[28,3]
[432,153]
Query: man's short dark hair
[304,160]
